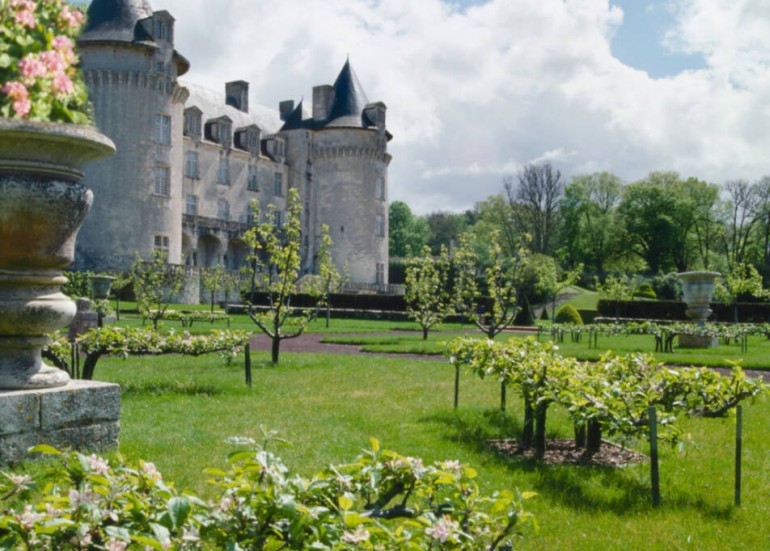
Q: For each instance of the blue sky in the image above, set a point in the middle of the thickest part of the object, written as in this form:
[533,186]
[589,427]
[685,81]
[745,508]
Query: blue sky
[640,40]
[478,89]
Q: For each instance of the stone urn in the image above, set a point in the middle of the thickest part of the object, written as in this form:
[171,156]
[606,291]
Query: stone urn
[697,291]
[42,205]
[100,286]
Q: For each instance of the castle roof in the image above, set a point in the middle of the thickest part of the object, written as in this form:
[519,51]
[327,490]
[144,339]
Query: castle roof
[347,103]
[349,100]
[116,20]
[212,106]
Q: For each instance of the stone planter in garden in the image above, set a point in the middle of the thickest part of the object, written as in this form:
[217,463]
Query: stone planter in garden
[42,204]
[697,291]
[100,286]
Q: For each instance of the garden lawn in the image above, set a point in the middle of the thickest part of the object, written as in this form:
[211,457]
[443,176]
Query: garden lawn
[177,412]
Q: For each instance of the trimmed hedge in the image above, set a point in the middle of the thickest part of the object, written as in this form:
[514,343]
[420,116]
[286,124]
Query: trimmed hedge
[568,314]
[672,310]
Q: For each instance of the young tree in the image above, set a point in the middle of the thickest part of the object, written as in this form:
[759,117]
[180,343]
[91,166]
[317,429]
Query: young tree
[332,281]
[551,280]
[275,262]
[213,279]
[156,283]
[427,297]
[498,277]
[121,281]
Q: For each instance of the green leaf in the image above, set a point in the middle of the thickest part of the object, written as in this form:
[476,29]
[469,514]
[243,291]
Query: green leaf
[179,509]
[118,533]
[44,449]
[375,444]
[345,503]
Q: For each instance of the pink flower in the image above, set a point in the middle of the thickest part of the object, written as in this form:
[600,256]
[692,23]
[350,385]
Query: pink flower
[15,90]
[54,61]
[62,43]
[442,529]
[22,107]
[25,12]
[70,19]
[32,67]
[97,464]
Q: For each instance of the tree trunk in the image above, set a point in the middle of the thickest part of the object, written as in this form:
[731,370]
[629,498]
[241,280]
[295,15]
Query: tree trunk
[593,437]
[425,333]
[580,436]
[540,416]
[527,429]
[503,386]
[212,302]
[90,365]
[276,349]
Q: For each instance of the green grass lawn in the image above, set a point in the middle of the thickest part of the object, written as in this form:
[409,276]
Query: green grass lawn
[177,412]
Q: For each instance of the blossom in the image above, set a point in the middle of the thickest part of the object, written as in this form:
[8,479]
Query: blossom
[70,19]
[97,464]
[115,545]
[32,67]
[25,13]
[54,61]
[359,536]
[442,529]
[151,471]
[28,518]
[62,84]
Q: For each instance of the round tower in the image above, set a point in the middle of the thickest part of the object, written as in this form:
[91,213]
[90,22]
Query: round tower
[340,163]
[131,68]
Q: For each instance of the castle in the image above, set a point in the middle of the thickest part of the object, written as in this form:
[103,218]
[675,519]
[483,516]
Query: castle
[190,161]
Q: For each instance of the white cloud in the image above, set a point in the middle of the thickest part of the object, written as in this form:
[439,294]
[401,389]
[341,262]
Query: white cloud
[475,94]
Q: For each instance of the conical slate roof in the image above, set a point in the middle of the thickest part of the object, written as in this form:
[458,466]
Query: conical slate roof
[115,20]
[349,100]
[294,120]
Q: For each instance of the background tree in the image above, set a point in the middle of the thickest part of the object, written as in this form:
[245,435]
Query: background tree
[658,216]
[275,263]
[428,298]
[156,284]
[444,228]
[741,279]
[590,229]
[407,233]
[617,288]
[739,212]
[122,281]
[534,201]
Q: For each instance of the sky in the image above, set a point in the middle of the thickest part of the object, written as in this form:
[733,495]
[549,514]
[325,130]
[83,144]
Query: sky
[477,89]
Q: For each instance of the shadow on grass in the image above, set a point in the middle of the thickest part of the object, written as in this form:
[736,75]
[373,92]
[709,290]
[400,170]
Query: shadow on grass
[165,388]
[585,488]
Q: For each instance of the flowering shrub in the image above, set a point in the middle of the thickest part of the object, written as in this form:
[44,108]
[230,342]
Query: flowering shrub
[383,500]
[39,79]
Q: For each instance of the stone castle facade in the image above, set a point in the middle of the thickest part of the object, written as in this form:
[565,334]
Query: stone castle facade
[191,160]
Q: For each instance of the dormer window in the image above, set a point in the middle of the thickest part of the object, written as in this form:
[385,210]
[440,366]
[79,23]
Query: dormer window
[220,131]
[163,29]
[192,122]
[248,139]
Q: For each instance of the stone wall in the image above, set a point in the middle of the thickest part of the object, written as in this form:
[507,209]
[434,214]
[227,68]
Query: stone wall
[84,415]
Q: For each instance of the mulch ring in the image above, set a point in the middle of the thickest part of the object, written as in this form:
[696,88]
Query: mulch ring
[564,452]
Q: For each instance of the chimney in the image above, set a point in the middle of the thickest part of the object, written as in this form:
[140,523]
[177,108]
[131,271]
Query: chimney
[322,101]
[286,108]
[237,95]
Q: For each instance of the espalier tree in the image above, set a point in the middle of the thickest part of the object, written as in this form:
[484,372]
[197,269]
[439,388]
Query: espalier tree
[611,396]
[428,297]
[275,264]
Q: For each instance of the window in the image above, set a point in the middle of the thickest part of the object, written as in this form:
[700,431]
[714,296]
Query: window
[160,67]
[223,175]
[223,210]
[160,242]
[163,129]
[278,219]
[224,132]
[380,275]
[380,225]
[162,180]
[379,189]
[191,164]
[278,185]
[191,204]
[162,31]
[192,122]
[252,183]
[250,218]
